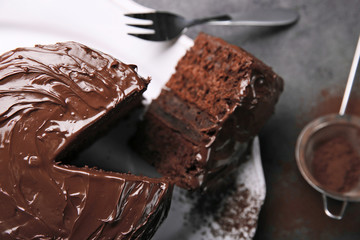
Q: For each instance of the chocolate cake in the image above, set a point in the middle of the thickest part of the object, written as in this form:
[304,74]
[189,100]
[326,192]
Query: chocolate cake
[54,99]
[212,106]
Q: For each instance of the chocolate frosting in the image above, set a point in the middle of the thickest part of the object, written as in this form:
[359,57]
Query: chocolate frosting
[52,97]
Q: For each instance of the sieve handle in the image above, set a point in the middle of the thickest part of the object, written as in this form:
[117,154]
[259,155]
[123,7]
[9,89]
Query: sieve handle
[350,80]
[327,211]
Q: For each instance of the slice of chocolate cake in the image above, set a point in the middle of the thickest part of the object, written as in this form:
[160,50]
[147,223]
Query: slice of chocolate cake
[216,101]
[54,99]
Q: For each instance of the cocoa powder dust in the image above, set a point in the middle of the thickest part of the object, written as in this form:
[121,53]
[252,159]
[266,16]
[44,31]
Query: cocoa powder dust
[336,164]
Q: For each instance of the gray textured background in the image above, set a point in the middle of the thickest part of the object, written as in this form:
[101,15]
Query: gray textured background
[314,58]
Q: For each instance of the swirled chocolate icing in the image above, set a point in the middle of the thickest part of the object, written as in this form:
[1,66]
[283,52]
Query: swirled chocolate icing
[52,100]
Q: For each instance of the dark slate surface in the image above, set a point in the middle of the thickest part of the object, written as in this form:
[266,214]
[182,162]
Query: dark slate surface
[314,58]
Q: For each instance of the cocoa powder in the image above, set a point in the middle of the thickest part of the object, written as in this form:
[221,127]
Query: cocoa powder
[336,164]
[238,212]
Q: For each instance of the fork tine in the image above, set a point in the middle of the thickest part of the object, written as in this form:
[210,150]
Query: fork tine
[150,37]
[145,16]
[143,26]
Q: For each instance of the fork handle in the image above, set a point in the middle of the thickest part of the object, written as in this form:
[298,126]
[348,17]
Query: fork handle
[220,18]
[253,17]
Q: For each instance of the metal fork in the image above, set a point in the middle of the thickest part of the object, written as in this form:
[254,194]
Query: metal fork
[167,26]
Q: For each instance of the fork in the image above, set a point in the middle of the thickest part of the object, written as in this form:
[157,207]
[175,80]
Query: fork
[166,26]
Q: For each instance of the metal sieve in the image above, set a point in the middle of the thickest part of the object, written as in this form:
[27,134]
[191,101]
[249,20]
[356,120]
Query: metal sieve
[327,127]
